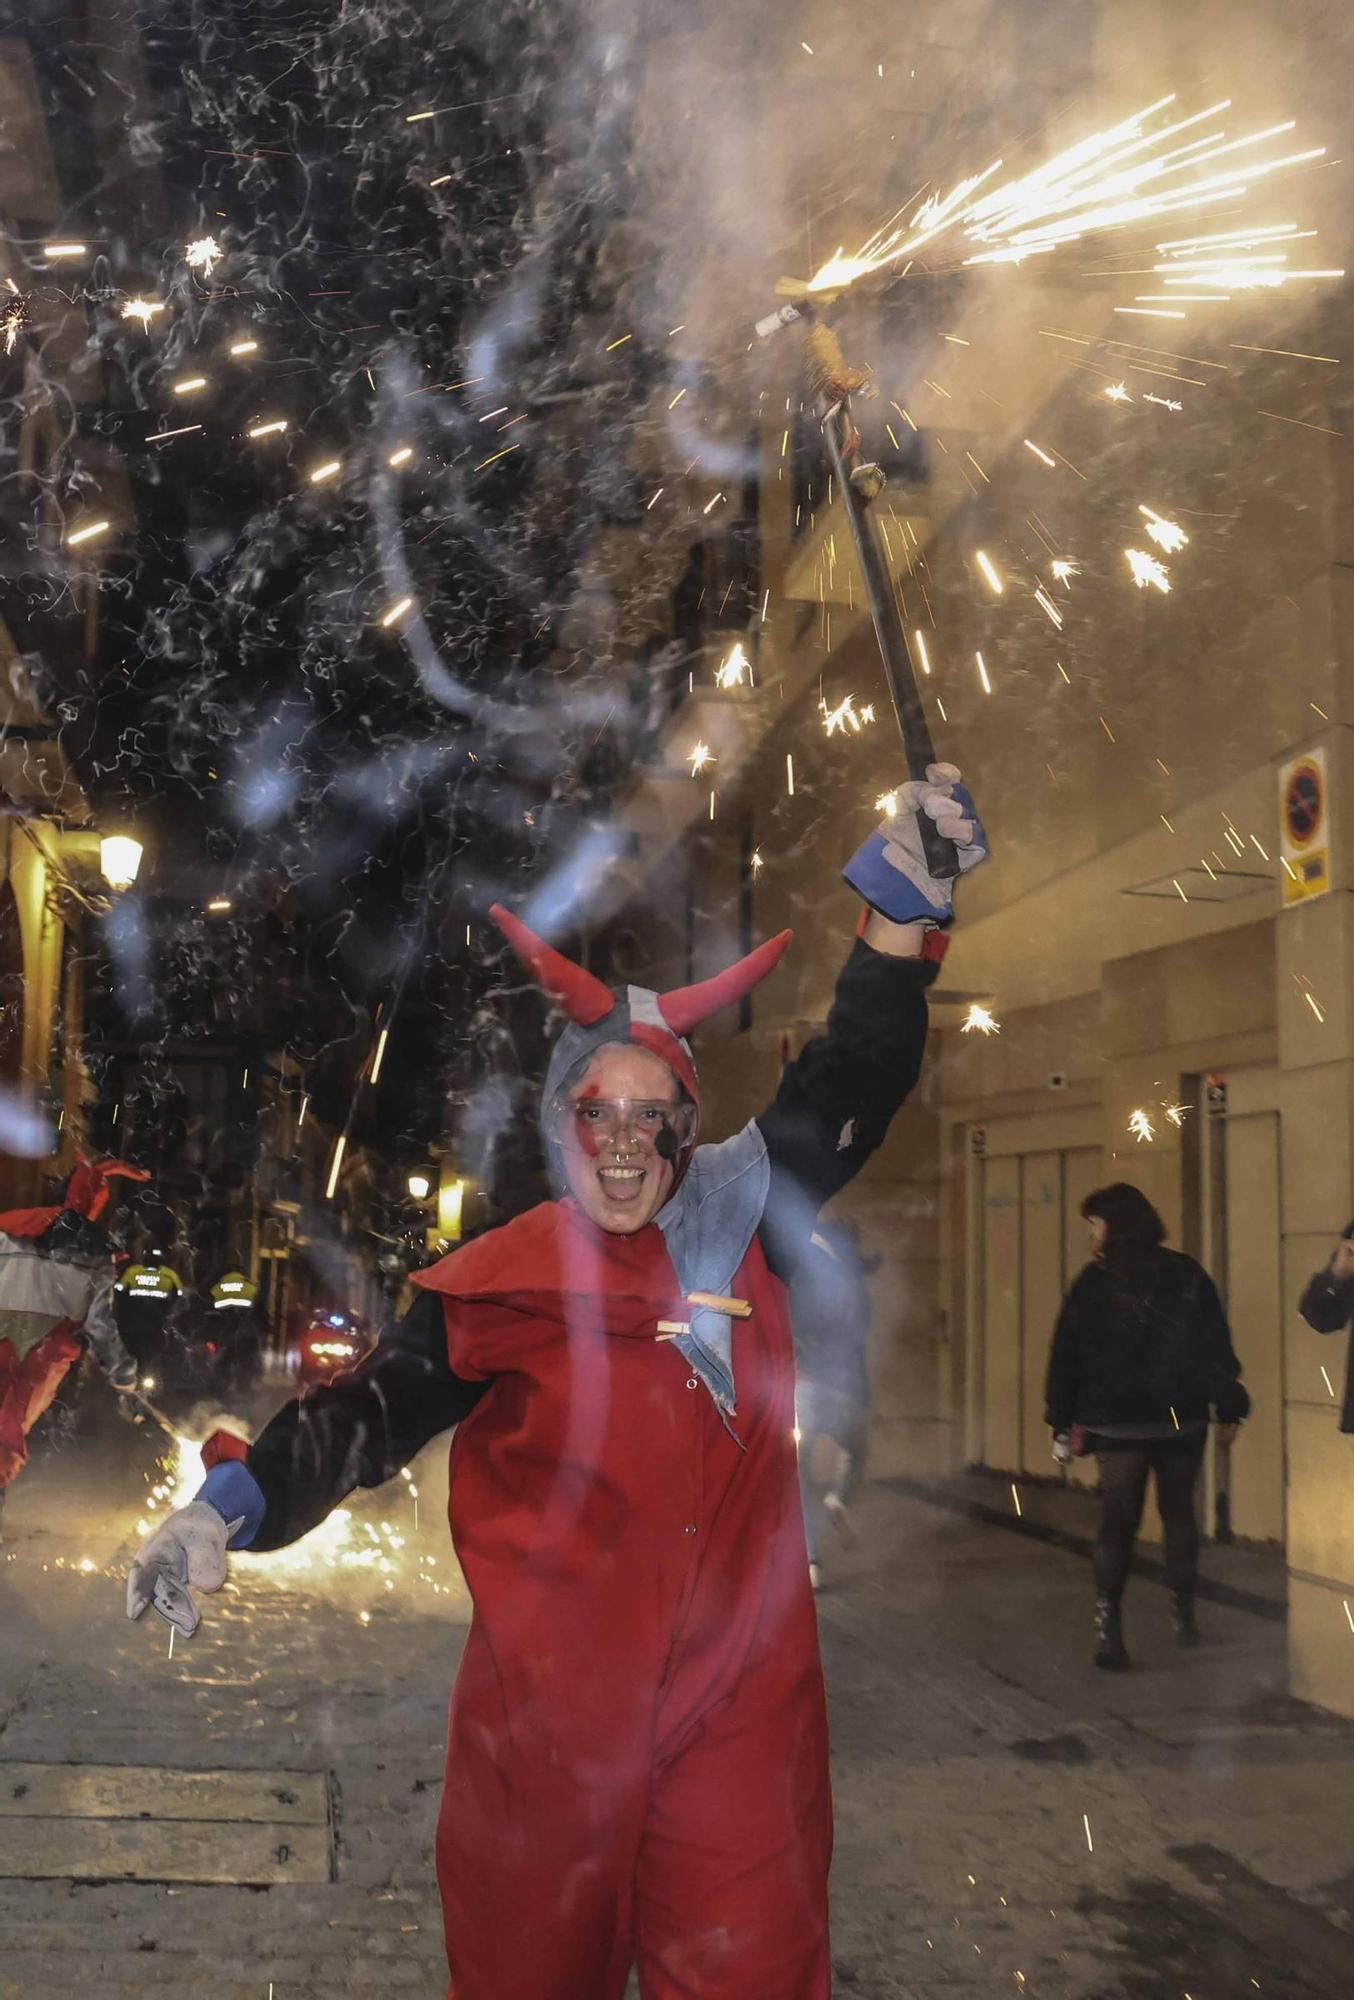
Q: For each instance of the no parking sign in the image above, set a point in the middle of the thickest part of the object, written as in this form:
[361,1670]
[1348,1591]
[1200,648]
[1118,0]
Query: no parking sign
[1303,829]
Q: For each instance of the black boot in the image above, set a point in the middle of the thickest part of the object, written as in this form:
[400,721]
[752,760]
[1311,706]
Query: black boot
[1182,1616]
[1110,1651]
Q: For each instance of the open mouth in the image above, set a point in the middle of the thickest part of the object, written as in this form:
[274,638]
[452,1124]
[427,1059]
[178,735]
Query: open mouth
[621,1184]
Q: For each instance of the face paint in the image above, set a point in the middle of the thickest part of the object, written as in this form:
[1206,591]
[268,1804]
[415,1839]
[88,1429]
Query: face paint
[644,1125]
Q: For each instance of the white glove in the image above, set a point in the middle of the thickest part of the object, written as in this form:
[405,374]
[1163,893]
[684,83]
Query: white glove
[890,869]
[187,1552]
[1063,1453]
[938,800]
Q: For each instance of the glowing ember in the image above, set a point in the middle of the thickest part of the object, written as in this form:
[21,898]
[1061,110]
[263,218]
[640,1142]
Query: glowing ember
[699,758]
[86,534]
[980,1021]
[734,668]
[846,716]
[887,804]
[397,610]
[11,323]
[203,254]
[1147,571]
[1167,535]
[989,572]
[1063,571]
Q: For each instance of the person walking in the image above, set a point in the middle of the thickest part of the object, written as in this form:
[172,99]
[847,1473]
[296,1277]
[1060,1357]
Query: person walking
[1327,1305]
[1141,1359]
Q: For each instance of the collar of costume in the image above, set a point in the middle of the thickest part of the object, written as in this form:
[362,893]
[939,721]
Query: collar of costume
[554,1264]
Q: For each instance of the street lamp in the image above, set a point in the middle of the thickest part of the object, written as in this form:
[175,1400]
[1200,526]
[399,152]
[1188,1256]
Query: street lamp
[119,860]
[419,1186]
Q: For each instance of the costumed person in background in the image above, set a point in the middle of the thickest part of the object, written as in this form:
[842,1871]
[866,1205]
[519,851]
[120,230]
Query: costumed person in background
[56,1284]
[1327,1305]
[1141,1358]
[637,1765]
[830,1311]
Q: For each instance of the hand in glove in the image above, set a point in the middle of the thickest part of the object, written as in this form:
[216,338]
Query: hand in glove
[889,871]
[1063,1453]
[186,1553]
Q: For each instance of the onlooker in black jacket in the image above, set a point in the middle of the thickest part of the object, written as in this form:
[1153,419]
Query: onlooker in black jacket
[1141,1358]
[1327,1305]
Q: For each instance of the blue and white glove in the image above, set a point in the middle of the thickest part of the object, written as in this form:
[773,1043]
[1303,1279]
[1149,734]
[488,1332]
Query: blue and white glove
[889,871]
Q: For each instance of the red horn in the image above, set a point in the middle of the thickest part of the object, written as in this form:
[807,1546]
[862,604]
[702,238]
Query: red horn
[690,1005]
[580,993]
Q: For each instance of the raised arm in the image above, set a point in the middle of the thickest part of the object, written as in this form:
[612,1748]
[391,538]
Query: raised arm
[837,1099]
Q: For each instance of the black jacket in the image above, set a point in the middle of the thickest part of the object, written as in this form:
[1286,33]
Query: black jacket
[1145,1355]
[1328,1307]
[832,1108]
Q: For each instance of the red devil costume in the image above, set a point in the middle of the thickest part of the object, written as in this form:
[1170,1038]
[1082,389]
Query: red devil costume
[56,1280]
[637,1758]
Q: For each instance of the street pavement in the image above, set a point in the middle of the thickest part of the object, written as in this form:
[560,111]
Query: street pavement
[1009,1821]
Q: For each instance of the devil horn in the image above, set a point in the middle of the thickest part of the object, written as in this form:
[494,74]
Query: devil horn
[579,992]
[690,1005]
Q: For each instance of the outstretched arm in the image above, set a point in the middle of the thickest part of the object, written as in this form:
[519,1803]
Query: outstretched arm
[358,1430]
[837,1099]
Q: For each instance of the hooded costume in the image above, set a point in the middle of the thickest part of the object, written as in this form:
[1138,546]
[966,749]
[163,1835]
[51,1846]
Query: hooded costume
[637,1755]
[56,1280]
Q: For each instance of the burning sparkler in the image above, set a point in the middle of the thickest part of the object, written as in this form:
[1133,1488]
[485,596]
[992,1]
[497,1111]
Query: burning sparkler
[980,1021]
[143,309]
[1118,393]
[699,757]
[1124,176]
[1140,1125]
[1063,570]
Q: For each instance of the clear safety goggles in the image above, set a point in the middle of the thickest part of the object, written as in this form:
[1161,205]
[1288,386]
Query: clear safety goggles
[624,1124]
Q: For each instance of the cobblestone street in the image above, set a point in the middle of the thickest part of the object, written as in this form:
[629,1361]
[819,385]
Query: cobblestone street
[1008,1820]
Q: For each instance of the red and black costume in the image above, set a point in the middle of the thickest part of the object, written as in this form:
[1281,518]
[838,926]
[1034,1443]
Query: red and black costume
[56,1280]
[637,1758]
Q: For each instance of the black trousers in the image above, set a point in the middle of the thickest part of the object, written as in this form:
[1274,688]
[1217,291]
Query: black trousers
[1175,1462]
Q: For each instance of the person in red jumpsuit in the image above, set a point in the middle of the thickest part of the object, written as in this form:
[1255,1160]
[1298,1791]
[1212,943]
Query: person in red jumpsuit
[637,1761]
[56,1282]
